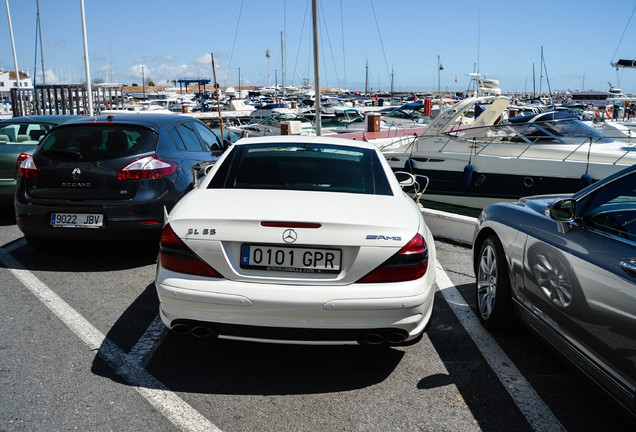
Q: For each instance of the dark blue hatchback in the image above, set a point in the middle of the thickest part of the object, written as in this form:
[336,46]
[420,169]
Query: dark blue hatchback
[111,177]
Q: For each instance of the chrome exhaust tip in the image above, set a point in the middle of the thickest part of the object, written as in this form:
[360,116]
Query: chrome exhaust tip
[395,337]
[203,332]
[181,328]
[371,339]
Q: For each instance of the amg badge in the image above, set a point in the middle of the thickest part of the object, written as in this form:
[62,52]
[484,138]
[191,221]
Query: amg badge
[382,237]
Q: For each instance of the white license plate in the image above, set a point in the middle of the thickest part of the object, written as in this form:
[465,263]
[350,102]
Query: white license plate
[301,260]
[77,220]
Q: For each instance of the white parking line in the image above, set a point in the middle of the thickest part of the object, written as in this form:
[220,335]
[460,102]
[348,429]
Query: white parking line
[127,366]
[533,408]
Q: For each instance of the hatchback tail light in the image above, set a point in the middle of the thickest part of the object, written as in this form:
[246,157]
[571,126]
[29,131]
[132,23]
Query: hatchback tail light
[21,157]
[409,263]
[148,167]
[176,256]
[26,166]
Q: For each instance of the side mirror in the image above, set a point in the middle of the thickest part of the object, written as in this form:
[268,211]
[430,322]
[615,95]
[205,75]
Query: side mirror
[405,179]
[563,212]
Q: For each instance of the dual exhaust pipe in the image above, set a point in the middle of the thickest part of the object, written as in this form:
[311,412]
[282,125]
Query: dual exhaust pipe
[390,337]
[379,338]
[200,331]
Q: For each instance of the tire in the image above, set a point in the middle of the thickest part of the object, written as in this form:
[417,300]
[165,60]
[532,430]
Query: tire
[492,287]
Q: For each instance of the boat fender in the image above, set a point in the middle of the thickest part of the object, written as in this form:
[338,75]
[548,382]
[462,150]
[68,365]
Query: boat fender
[467,178]
[585,181]
[408,166]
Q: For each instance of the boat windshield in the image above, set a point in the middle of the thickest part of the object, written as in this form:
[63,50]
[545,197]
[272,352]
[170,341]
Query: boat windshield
[566,131]
[276,118]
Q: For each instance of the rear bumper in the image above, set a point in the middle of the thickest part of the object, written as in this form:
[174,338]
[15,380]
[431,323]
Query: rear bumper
[296,314]
[120,221]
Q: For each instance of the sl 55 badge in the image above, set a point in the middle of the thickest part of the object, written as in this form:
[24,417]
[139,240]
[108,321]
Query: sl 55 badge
[204,231]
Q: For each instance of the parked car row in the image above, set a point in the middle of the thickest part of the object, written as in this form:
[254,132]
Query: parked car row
[312,240]
[286,239]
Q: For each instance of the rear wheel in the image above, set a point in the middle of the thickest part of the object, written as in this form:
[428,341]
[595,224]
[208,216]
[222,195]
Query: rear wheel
[493,294]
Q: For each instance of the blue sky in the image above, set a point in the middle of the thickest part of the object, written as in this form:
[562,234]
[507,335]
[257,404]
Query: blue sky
[173,40]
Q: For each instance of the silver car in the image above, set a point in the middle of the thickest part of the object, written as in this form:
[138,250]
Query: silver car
[566,266]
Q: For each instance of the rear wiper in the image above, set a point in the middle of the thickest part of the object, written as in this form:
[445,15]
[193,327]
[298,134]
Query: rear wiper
[74,154]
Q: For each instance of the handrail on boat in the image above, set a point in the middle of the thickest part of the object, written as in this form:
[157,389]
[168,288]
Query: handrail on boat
[480,144]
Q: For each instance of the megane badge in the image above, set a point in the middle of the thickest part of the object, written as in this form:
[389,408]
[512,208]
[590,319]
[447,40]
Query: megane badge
[289,236]
[76,173]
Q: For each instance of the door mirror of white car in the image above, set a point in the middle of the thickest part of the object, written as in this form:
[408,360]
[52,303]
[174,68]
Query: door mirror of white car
[406,179]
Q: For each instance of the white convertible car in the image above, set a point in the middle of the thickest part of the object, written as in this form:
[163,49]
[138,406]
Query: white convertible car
[303,240]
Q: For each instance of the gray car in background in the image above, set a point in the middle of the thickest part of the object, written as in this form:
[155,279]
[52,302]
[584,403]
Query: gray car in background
[19,137]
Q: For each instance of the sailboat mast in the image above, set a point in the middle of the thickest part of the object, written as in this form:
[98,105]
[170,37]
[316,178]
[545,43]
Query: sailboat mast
[314,12]
[541,72]
[282,55]
[89,89]
[366,79]
[15,58]
[40,32]
[218,102]
[534,83]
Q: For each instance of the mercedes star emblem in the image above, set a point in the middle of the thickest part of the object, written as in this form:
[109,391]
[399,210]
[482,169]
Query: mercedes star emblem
[289,236]
[76,173]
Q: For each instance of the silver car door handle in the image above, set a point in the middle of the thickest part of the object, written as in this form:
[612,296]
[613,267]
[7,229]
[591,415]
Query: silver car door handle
[629,266]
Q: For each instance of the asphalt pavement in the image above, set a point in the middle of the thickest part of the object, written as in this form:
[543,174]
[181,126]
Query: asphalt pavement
[81,348]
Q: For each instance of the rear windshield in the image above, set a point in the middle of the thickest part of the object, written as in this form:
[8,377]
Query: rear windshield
[99,142]
[308,167]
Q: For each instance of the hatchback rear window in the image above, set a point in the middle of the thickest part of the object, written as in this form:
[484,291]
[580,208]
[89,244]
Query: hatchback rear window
[99,142]
[309,167]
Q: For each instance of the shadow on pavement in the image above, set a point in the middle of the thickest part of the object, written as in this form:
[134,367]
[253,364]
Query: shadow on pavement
[87,256]
[7,215]
[210,366]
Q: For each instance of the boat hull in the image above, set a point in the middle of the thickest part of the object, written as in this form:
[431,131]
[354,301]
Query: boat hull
[478,181]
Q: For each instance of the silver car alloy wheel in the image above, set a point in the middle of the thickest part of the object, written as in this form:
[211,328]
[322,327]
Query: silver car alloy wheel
[553,279]
[487,281]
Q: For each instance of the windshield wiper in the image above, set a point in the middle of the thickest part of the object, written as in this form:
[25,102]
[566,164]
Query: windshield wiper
[73,154]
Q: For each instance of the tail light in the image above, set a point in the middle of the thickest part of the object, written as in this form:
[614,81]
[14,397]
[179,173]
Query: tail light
[176,256]
[21,157]
[409,263]
[148,167]
[27,167]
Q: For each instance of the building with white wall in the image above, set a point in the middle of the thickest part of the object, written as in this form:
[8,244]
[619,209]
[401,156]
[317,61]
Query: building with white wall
[8,81]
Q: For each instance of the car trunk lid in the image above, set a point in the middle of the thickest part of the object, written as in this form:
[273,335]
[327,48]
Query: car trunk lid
[362,229]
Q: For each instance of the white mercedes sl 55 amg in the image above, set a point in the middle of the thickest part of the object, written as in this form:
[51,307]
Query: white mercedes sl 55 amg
[297,239]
